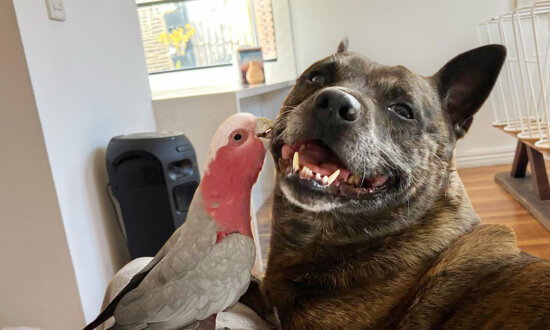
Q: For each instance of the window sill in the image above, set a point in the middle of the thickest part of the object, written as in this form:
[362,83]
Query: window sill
[241,92]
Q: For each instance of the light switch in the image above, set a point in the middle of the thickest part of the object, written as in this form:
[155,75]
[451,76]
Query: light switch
[56,10]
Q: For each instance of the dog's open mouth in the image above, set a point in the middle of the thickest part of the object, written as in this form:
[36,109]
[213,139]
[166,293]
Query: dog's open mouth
[313,165]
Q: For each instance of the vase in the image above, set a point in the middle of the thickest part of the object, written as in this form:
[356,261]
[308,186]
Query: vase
[254,74]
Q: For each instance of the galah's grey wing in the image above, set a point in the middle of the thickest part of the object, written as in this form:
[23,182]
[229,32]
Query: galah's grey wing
[188,286]
[108,311]
[135,281]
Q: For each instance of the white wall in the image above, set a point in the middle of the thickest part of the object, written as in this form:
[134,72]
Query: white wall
[37,282]
[89,79]
[420,34]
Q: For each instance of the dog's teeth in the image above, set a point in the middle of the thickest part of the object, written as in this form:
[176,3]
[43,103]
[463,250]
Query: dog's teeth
[324,180]
[318,177]
[306,172]
[356,179]
[296,162]
[333,177]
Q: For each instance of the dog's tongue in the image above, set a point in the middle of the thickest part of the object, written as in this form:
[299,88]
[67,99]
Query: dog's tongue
[312,153]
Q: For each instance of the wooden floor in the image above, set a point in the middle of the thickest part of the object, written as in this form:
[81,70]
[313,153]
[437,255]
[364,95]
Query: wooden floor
[495,205]
[491,202]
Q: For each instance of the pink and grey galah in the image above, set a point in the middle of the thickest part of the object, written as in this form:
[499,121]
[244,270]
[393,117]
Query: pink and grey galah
[205,266]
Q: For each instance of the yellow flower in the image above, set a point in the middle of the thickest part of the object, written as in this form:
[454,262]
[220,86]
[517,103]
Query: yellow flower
[163,38]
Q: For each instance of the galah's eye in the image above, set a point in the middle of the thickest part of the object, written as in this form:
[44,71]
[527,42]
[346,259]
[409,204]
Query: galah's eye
[238,137]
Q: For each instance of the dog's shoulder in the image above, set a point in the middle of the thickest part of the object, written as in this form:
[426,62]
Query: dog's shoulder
[482,243]
[483,278]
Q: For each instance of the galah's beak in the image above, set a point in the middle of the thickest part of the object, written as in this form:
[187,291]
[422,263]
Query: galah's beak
[263,131]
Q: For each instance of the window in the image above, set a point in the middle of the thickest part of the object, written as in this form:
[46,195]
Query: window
[187,34]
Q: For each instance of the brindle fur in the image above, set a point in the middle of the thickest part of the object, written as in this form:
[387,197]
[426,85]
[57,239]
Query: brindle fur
[416,257]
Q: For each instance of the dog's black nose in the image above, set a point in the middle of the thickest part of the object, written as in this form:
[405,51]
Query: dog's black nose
[340,104]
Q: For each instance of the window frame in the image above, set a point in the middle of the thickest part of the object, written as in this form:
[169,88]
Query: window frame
[254,32]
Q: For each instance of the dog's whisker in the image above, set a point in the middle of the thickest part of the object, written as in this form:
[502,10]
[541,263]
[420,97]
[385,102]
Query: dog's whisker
[364,173]
[408,208]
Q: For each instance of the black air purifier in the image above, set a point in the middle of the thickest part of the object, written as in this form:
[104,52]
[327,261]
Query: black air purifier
[153,177]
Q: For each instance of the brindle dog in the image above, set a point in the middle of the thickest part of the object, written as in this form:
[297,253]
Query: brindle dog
[372,227]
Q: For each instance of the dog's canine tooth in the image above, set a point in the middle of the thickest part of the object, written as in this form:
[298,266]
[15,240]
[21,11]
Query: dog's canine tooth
[296,162]
[333,176]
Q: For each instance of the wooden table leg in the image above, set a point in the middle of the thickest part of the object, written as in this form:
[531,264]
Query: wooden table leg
[539,177]
[520,161]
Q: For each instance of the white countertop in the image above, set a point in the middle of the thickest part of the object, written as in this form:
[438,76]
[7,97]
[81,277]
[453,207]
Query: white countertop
[240,91]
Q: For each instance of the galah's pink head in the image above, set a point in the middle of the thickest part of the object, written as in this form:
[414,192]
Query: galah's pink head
[235,158]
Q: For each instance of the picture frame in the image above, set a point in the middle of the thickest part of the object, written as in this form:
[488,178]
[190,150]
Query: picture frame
[250,63]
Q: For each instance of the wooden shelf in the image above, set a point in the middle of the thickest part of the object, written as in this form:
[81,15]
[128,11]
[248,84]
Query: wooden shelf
[522,191]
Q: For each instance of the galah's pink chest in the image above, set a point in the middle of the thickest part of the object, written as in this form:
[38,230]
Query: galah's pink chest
[226,189]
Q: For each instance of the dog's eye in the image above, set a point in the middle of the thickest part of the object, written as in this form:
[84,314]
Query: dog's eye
[402,109]
[317,78]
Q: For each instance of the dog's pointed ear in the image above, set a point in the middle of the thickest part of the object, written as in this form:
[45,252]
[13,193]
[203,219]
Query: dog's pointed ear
[343,45]
[466,81]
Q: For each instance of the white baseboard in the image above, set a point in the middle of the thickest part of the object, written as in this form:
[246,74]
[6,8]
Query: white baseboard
[484,157]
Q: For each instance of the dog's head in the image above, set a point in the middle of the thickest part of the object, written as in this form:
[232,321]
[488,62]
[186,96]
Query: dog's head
[355,136]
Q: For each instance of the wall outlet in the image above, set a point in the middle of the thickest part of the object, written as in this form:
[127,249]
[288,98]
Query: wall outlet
[56,10]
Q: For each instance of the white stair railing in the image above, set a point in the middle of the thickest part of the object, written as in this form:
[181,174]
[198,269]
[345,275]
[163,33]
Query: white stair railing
[520,98]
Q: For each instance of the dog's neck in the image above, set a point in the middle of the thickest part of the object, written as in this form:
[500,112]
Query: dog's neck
[316,248]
